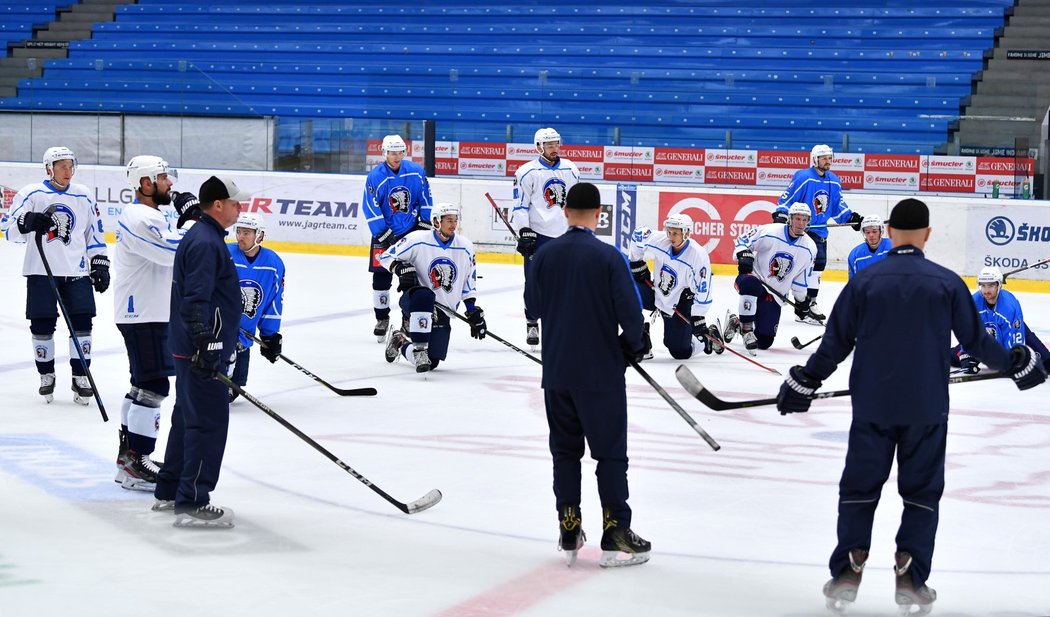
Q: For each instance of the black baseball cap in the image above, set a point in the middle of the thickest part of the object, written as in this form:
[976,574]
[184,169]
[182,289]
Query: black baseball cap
[583,196]
[220,188]
[909,214]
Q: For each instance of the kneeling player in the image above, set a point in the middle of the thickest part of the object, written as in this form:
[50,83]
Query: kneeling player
[784,255]
[683,283]
[433,267]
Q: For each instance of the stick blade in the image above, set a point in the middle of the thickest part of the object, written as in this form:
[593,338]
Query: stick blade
[356,392]
[425,502]
[797,344]
[693,386]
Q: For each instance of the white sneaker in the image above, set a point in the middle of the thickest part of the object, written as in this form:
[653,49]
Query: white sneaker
[47,387]
[205,516]
[82,392]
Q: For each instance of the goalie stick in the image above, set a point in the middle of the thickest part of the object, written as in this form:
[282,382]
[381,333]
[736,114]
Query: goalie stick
[797,344]
[705,396]
[426,501]
[489,333]
[678,408]
[339,391]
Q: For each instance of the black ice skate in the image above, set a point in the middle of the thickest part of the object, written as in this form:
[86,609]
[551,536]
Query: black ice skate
[570,534]
[204,516]
[717,343]
[421,358]
[47,387]
[841,591]
[814,317]
[747,333]
[82,392]
[911,600]
[393,348]
[163,505]
[532,333]
[382,326]
[617,539]
[732,327]
[137,472]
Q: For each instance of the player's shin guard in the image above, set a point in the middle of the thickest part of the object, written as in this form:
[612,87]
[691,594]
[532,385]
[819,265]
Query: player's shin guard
[747,308]
[144,420]
[420,314]
[44,353]
[381,303]
[85,347]
[814,289]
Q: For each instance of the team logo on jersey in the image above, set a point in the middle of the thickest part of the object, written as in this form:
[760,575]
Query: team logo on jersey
[780,266]
[251,298]
[668,280]
[399,198]
[442,274]
[820,201]
[554,192]
[65,220]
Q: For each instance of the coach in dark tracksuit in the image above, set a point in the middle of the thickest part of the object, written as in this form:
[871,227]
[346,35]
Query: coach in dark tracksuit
[582,289]
[899,314]
[205,316]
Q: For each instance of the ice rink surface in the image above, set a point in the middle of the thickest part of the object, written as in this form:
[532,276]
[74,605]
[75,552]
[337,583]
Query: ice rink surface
[744,531]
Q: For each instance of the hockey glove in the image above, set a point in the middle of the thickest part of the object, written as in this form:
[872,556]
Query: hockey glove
[780,217]
[641,235]
[970,365]
[478,328]
[385,239]
[640,272]
[632,354]
[796,393]
[855,220]
[36,222]
[406,275]
[527,241]
[271,346]
[187,205]
[745,262]
[100,273]
[422,225]
[207,361]
[1027,368]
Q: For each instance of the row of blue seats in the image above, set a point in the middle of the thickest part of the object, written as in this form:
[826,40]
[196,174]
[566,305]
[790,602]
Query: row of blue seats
[193,84]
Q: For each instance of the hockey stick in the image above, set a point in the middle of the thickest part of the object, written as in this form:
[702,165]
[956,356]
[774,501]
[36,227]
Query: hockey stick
[705,396]
[1012,272]
[797,344]
[426,501]
[674,405]
[786,300]
[502,216]
[339,391]
[829,225]
[69,322]
[722,344]
[489,333]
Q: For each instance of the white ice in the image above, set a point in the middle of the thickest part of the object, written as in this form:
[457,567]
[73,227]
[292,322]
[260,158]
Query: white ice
[743,531]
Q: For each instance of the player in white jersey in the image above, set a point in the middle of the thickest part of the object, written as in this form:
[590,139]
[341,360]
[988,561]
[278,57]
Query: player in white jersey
[143,262]
[433,267]
[683,284]
[540,187]
[67,219]
[778,256]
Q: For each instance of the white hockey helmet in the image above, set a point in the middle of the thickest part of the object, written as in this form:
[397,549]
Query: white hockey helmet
[58,153]
[679,221]
[818,151]
[394,143]
[543,136]
[147,166]
[801,209]
[990,274]
[872,220]
[441,210]
[250,220]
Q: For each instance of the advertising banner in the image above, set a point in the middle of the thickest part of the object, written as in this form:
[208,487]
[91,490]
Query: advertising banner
[718,218]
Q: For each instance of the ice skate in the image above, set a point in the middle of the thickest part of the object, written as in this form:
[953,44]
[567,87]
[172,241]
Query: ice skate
[421,358]
[82,392]
[717,343]
[532,333]
[137,472]
[911,600]
[841,592]
[393,348]
[570,534]
[617,539]
[163,505]
[380,331]
[749,338]
[47,387]
[206,516]
[732,327]
[814,318]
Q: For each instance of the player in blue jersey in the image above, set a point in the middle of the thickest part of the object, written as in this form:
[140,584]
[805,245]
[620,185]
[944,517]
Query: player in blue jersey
[261,273]
[396,201]
[900,400]
[1003,318]
[818,187]
[873,249]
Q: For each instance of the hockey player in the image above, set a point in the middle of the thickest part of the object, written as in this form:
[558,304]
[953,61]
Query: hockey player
[396,201]
[900,400]
[205,317]
[433,267]
[143,259]
[874,248]
[261,273]
[819,188]
[1003,318]
[540,187]
[582,289]
[683,283]
[784,254]
[66,217]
